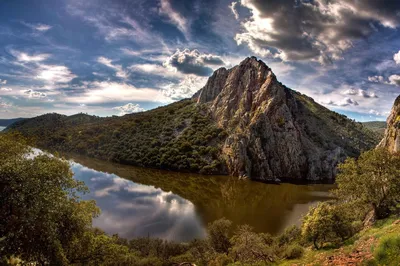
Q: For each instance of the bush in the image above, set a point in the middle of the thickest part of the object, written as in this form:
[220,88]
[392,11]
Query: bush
[218,235]
[249,247]
[388,252]
[294,251]
[326,223]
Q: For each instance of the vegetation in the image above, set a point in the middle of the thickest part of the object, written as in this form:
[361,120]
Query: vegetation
[180,136]
[43,220]
[378,127]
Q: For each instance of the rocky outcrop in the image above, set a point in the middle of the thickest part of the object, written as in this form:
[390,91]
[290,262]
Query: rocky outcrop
[391,140]
[275,132]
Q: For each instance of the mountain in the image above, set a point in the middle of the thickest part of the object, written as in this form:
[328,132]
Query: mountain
[7,122]
[243,122]
[391,140]
[378,127]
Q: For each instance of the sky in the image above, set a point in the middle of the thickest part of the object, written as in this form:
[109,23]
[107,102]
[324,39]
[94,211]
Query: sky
[114,57]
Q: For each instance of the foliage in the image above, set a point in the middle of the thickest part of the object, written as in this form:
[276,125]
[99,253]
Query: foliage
[326,223]
[249,247]
[218,235]
[40,211]
[372,180]
[180,136]
[388,252]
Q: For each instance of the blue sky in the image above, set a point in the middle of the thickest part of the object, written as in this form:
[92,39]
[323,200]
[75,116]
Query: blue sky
[112,57]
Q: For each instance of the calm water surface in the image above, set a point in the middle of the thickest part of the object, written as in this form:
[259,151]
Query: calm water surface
[178,206]
[1,128]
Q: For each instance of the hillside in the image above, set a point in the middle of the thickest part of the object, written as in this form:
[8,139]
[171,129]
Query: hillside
[7,122]
[243,122]
[378,127]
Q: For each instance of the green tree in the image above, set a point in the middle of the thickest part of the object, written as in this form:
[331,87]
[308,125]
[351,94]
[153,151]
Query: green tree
[326,223]
[373,179]
[250,247]
[40,211]
[218,235]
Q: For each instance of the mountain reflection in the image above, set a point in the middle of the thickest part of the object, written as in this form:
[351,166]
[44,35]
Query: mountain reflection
[177,206]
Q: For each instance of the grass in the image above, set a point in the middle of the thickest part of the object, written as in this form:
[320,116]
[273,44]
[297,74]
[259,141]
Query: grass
[377,245]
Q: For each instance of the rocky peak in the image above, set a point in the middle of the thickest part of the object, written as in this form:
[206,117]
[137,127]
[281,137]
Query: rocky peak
[391,140]
[273,132]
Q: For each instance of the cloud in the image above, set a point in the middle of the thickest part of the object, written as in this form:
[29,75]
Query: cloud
[38,26]
[5,89]
[396,57]
[193,62]
[55,74]
[232,7]
[359,92]
[377,79]
[24,57]
[312,30]
[344,102]
[394,80]
[128,109]
[183,89]
[155,69]
[3,81]
[174,17]
[108,92]
[34,94]
[120,72]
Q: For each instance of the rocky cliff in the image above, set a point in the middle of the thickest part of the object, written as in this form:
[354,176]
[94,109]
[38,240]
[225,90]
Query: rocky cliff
[391,140]
[275,132]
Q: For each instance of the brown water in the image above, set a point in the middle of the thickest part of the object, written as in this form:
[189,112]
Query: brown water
[178,206]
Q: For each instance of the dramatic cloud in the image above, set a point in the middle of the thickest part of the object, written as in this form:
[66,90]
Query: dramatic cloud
[193,62]
[312,30]
[24,57]
[174,17]
[107,92]
[129,108]
[55,74]
[120,72]
[396,57]
[184,89]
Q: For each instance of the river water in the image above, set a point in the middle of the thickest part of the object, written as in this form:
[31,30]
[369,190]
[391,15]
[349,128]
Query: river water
[178,206]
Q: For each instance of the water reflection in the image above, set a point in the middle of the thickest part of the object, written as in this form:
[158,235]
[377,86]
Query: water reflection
[132,209]
[178,206]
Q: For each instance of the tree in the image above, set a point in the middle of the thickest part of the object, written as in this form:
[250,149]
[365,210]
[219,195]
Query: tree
[218,235]
[326,223]
[373,179]
[40,211]
[250,247]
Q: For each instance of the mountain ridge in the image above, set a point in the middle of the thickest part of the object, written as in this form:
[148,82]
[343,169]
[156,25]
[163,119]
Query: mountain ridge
[243,122]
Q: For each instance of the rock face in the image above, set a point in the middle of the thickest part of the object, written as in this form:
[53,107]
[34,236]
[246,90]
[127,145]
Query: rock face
[275,132]
[391,140]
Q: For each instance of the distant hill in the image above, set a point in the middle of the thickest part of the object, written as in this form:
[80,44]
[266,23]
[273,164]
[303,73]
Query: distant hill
[7,122]
[378,127]
[243,122]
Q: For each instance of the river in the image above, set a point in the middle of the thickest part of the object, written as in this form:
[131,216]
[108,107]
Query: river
[178,206]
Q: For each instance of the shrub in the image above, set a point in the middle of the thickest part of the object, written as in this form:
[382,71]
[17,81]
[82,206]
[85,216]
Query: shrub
[293,251]
[218,235]
[388,252]
[326,223]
